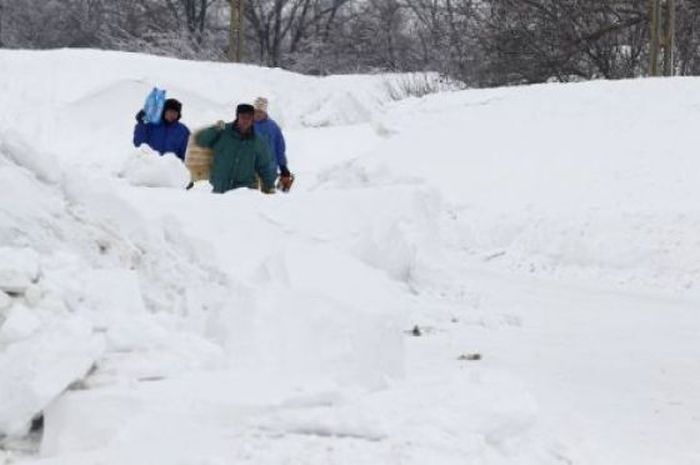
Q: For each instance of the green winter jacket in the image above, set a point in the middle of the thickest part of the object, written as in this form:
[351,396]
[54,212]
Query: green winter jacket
[237,159]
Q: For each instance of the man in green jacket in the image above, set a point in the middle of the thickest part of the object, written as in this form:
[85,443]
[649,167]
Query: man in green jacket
[239,154]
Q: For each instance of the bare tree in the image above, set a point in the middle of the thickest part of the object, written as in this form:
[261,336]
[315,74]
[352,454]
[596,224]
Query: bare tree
[277,25]
[537,40]
[2,18]
[688,37]
[236,32]
[481,42]
[192,14]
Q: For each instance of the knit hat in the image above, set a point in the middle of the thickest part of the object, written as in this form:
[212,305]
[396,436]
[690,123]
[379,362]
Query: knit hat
[245,108]
[261,104]
[173,104]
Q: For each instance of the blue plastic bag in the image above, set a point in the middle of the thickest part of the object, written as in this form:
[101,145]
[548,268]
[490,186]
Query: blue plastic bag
[153,108]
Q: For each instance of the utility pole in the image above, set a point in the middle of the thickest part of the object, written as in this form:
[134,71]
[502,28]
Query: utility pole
[662,23]
[235,38]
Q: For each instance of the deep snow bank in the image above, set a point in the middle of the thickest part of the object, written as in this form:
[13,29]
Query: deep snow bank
[122,294]
[594,181]
[76,281]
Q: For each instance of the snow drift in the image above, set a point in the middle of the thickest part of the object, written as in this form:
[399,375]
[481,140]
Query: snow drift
[494,276]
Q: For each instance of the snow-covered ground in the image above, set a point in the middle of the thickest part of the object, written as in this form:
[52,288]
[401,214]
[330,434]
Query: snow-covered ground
[504,276]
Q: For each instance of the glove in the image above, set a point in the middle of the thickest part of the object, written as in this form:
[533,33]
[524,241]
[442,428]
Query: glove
[140,115]
[284,172]
[285,182]
[220,125]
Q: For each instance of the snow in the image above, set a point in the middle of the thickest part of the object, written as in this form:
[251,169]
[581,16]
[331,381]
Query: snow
[19,324]
[19,267]
[20,150]
[5,301]
[36,369]
[551,230]
[147,168]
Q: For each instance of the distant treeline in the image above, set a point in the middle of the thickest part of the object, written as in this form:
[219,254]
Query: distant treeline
[480,42]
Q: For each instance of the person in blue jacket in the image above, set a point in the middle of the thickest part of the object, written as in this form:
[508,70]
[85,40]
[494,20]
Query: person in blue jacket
[169,136]
[272,134]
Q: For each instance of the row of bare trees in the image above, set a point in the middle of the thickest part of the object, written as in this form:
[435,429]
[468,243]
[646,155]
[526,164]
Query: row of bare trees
[481,42]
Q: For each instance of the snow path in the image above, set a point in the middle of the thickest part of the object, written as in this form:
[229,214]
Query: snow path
[608,369]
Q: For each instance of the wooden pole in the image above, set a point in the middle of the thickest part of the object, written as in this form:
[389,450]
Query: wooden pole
[235,45]
[662,29]
[654,23]
[241,22]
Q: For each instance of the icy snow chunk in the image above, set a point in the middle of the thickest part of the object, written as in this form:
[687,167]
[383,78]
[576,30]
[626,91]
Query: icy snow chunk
[186,406]
[19,268]
[345,325]
[148,168]
[20,324]
[37,369]
[86,420]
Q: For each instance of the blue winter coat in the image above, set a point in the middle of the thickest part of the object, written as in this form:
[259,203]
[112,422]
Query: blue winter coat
[163,137]
[272,134]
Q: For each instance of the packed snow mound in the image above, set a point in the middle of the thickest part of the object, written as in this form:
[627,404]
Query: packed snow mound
[71,284]
[148,168]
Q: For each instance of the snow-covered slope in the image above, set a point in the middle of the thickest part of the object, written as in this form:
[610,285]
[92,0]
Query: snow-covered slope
[551,230]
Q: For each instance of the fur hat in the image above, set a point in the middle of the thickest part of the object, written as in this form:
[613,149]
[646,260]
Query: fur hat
[245,108]
[261,104]
[173,104]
